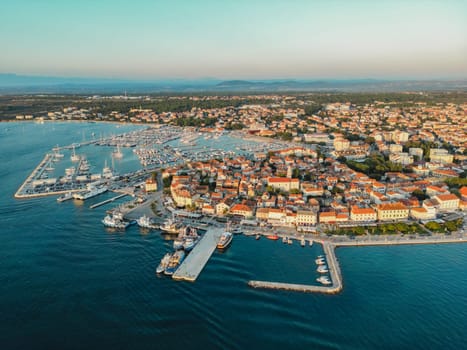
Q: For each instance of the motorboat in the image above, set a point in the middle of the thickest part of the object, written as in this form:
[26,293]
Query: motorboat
[324,280]
[322,269]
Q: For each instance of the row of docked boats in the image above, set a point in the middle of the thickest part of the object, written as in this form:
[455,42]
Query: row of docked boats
[186,239]
[170,262]
[322,268]
[115,220]
[183,244]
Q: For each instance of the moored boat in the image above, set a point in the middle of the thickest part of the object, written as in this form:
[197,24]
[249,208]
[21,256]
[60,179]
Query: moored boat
[164,263]
[224,240]
[91,191]
[145,222]
[189,243]
[324,280]
[175,260]
[320,261]
[65,197]
[273,237]
[322,269]
[115,220]
[171,226]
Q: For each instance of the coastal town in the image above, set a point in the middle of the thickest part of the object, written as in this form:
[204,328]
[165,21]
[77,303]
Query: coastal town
[339,174]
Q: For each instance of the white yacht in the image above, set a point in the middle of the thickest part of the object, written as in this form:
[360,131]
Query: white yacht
[324,280]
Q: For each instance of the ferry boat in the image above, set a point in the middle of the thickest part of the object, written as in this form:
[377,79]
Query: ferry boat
[224,240]
[144,222]
[324,280]
[115,221]
[164,263]
[175,260]
[92,191]
[170,226]
[273,237]
[65,197]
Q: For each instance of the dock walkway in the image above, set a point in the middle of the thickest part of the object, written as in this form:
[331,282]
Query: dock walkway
[190,269]
[107,201]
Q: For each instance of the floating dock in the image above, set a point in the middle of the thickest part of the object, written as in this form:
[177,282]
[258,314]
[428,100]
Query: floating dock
[192,266]
[334,271]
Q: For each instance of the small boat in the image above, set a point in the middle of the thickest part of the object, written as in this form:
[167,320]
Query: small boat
[311,242]
[258,236]
[320,261]
[144,221]
[273,237]
[284,239]
[65,197]
[237,231]
[117,153]
[224,240]
[324,280]
[303,242]
[164,263]
[322,269]
[289,241]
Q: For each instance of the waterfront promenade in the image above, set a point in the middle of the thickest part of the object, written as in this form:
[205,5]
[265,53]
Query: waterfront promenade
[192,266]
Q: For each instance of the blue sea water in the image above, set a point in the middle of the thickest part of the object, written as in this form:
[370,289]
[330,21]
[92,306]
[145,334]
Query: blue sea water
[68,283]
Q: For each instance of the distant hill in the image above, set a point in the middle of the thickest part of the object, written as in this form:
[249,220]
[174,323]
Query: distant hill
[17,84]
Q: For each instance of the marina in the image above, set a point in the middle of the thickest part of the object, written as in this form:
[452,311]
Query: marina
[192,266]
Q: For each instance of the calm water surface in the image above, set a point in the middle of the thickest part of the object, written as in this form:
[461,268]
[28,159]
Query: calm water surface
[68,283]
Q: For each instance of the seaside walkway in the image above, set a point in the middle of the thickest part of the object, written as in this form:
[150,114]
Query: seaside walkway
[192,266]
[334,271]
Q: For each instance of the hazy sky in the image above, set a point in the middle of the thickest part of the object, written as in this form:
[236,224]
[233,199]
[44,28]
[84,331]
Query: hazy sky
[153,39]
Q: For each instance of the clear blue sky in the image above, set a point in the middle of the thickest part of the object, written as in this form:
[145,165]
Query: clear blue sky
[154,39]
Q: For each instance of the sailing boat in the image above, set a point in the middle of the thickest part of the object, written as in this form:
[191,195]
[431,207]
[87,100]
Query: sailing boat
[117,153]
[74,157]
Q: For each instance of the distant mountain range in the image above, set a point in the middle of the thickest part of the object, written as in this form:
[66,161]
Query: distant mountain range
[19,84]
